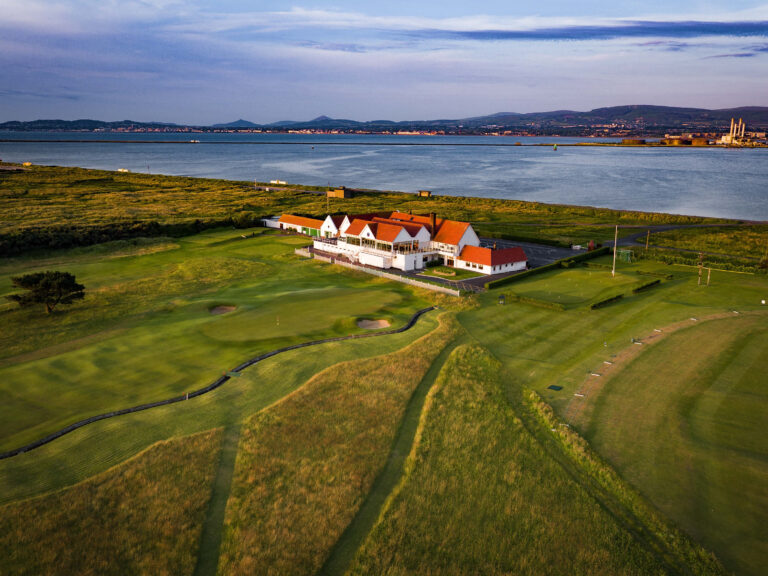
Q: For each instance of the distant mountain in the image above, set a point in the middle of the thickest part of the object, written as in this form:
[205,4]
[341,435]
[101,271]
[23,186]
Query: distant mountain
[636,119]
[81,125]
[236,124]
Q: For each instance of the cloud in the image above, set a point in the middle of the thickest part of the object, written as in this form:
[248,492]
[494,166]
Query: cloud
[42,95]
[621,29]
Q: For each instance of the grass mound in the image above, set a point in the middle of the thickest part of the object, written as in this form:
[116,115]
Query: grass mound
[482,497]
[306,464]
[142,517]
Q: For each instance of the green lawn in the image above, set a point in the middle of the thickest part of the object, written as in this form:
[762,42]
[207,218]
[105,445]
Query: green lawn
[145,332]
[575,287]
[700,454]
[449,273]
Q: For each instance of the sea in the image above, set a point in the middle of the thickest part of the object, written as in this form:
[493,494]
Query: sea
[716,182]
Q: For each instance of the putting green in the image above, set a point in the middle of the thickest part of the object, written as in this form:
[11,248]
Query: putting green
[300,313]
[574,286]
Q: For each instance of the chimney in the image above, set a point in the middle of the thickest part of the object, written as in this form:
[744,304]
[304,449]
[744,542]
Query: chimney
[432,222]
[732,126]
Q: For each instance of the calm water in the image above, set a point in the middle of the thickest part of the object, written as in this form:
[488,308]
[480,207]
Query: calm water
[705,182]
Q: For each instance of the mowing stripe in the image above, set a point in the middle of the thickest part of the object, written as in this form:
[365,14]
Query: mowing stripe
[210,539]
[343,552]
[215,384]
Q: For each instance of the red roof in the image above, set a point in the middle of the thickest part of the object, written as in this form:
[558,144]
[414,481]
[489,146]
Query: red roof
[488,257]
[300,221]
[411,228]
[448,231]
[338,220]
[386,232]
[356,227]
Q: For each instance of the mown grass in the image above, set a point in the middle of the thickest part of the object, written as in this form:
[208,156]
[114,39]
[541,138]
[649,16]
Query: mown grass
[305,465]
[143,517]
[144,331]
[700,454]
[538,348]
[482,497]
[575,286]
[91,360]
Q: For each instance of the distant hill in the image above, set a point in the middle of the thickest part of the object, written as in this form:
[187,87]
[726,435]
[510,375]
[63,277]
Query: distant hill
[635,118]
[236,124]
[81,125]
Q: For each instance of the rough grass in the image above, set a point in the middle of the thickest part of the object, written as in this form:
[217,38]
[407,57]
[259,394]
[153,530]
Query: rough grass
[142,517]
[744,241]
[43,197]
[700,455]
[305,465]
[482,497]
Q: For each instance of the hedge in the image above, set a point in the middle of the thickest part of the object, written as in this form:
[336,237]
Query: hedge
[607,301]
[646,286]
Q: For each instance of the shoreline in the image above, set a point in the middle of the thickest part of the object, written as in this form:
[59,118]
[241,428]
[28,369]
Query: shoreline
[330,143]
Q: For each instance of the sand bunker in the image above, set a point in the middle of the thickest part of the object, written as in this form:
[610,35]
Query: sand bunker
[222,309]
[372,324]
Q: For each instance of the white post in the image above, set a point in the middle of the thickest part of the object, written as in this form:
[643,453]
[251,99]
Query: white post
[615,241]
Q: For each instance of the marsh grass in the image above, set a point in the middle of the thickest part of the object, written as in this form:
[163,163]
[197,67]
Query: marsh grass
[742,241]
[306,464]
[142,517]
[48,197]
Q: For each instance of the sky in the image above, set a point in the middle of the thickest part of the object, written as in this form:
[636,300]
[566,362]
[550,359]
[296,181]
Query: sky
[204,62]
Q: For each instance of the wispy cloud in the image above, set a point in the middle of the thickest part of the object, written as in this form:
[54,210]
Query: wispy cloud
[631,29]
[41,95]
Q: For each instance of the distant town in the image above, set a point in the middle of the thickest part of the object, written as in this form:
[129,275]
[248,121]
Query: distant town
[634,121]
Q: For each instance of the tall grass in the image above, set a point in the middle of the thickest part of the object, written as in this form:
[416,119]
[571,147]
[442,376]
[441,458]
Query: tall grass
[305,465]
[142,517]
[481,496]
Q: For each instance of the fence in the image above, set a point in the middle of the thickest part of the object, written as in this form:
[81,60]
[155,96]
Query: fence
[396,277]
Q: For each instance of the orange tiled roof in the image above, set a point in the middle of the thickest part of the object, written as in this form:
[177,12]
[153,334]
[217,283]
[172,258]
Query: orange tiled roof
[450,232]
[488,257]
[411,228]
[386,232]
[356,227]
[300,221]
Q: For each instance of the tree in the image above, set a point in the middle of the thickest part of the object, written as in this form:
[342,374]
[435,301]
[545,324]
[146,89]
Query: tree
[49,288]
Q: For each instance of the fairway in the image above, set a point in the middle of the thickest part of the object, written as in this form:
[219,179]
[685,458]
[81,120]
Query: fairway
[145,335]
[700,454]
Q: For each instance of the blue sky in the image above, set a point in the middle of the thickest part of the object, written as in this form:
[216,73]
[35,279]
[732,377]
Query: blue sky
[205,62]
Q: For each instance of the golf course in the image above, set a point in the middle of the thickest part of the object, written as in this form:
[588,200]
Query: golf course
[588,423]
